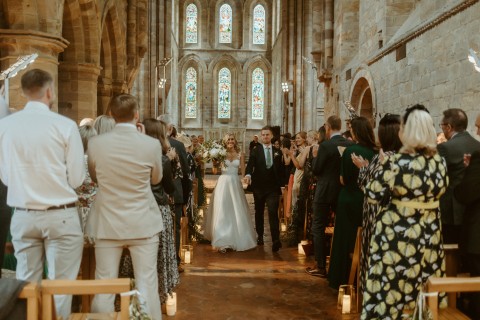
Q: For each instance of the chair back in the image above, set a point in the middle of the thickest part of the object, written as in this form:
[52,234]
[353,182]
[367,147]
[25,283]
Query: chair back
[84,287]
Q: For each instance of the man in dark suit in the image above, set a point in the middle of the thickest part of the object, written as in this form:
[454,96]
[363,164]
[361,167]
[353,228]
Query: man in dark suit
[180,182]
[454,124]
[263,174]
[253,143]
[326,167]
[466,192]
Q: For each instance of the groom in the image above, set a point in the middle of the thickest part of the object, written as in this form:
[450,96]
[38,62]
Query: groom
[263,174]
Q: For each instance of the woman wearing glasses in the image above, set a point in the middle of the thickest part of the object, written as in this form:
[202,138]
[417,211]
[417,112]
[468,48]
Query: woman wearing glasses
[406,247]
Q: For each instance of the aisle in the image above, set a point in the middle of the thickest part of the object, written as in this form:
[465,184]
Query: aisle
[255,284]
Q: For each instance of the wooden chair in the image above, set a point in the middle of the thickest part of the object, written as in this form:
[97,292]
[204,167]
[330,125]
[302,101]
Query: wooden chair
[85,287]
[449,284]
[31,292]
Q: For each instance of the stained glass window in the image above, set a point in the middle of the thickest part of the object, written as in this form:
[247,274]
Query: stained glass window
[191,93]
[259,25]
[225,24]
[258,86]
[191,24]
[224,93]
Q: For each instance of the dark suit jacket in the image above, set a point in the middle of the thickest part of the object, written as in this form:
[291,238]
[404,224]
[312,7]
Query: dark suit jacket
[180,183]
[468,193]
[326,167]
[257,169]
[453,151]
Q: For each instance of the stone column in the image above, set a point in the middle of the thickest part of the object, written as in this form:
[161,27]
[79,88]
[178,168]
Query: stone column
[77,87]
[104,93]
[15,43]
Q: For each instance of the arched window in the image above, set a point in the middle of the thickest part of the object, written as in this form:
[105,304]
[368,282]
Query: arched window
[191,29]
[258,98]
[191,93]
[225,25]
[259,25]
[224,93]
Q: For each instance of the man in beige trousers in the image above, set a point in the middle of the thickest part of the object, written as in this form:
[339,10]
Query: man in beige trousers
[124,163]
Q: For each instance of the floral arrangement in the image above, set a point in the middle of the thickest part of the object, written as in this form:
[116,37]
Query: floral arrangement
[213,151]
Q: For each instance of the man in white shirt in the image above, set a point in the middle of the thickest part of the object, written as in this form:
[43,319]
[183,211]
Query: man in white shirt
[41,162]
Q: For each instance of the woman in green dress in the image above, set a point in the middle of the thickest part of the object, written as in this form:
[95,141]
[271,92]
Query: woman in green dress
[350,202]
[406,247]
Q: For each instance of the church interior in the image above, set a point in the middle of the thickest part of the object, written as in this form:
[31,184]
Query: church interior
[235,66]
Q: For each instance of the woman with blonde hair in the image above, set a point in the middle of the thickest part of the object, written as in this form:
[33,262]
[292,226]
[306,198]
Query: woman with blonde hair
[406,247]
[228,224]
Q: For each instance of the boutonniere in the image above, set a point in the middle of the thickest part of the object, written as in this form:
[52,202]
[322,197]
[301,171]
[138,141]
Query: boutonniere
[276,154]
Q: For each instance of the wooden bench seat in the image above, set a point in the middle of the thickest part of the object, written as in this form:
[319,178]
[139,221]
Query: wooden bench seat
[31,293]
[449,284]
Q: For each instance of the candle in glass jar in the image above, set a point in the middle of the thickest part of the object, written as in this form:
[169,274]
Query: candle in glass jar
[171,305]
[284,227]
[346,304]
[187,256]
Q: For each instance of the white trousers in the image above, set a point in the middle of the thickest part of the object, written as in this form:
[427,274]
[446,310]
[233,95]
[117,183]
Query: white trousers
[55,235]
[144,254]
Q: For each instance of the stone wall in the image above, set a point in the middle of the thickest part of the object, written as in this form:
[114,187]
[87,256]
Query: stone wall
[435,70]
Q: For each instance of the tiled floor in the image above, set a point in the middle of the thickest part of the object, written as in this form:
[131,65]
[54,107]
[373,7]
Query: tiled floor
[255,284]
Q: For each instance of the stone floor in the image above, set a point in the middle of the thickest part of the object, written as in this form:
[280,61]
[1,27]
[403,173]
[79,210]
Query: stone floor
[255,284]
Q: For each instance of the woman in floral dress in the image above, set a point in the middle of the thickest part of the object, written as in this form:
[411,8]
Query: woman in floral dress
[406,247]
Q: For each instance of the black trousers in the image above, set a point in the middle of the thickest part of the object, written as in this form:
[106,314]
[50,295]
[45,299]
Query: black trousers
[271,199]
[319,223]
[5,217]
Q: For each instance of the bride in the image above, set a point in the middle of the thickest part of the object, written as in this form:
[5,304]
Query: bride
[228,224]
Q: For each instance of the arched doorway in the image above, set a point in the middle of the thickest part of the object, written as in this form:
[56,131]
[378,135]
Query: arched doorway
[362,100]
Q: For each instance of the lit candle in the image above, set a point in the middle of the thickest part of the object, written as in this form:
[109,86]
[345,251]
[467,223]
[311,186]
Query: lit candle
[300,249]
[284,227]
[171,305]
[187,257]
[346,304]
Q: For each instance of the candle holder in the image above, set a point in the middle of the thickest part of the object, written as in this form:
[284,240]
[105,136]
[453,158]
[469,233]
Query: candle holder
[347,299]
[283,225]
[171,304]
[186,254]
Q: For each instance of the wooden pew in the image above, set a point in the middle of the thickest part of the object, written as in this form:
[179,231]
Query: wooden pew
[84,287]
[449,285]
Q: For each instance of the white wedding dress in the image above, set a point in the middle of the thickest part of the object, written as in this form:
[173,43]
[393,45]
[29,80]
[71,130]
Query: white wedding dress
[228,224]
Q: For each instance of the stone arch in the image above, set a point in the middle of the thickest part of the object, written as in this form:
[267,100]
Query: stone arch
[191,60]
[262,63]
[112,57]
[200,27]
[234,67]
[362,95]
[237,35]
[248,27]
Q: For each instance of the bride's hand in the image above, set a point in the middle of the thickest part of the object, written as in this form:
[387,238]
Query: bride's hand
[247,180]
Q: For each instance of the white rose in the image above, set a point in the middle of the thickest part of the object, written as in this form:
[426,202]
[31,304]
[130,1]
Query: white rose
[205,154]
[223,152]
[214,153]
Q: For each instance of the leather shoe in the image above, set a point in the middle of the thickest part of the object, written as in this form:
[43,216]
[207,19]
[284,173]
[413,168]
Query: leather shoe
[260,241]
[276,246]
[317,272]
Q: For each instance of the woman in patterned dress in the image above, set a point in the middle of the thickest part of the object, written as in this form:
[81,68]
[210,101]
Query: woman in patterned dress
[168,276]
[390,143]
[406,247]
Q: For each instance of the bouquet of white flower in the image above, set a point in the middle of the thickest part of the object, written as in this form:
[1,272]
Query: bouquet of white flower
[212,151]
